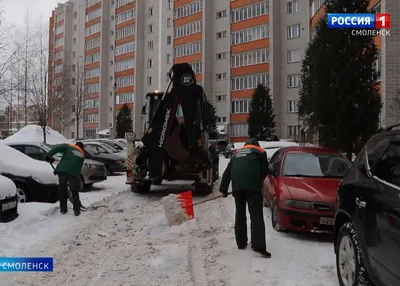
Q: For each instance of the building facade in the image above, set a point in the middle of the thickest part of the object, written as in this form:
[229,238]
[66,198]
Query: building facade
[126,48]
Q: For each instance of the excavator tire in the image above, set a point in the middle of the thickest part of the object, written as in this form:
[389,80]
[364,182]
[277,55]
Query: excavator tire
[141,187]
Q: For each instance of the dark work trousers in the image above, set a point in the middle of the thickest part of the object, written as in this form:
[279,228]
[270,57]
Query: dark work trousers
[255,202]
[66,180]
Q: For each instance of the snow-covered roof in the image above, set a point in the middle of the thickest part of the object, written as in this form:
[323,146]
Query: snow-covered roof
[34,133]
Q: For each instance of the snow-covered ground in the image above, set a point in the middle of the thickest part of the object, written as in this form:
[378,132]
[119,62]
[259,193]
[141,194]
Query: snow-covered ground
[126,241]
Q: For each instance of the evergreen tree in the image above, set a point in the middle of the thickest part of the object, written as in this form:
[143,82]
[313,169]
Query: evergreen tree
[124,121]
[339,99]
[261,118]
[212,122]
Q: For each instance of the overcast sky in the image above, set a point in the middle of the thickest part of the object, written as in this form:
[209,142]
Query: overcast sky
[15,10]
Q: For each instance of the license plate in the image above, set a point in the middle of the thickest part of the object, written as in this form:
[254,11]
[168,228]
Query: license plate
[8,206]
[327,221]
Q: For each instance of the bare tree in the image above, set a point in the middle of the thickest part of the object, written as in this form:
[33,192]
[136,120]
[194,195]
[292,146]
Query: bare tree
[43,104]
[79,92]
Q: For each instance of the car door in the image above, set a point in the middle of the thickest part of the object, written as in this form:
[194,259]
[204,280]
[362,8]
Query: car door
[384,248]
[275,163]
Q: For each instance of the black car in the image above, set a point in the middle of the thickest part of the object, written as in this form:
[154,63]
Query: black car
[114,162]
[221,146]
[367,221]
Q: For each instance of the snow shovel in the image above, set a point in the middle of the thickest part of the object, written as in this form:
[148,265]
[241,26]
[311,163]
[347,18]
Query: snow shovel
[71,200]
[179,208]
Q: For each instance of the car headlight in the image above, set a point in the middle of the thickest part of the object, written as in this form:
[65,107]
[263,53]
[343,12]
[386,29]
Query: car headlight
[120,162]
[298,205]
[92,166]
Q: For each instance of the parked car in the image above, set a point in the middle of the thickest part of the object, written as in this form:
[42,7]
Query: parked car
[220,146]
[367,220]
[35,180]
[92,171]
[301,191]
[122,141]
[228,152]
[110,142]
[271,147]
[8,200]
[113,162]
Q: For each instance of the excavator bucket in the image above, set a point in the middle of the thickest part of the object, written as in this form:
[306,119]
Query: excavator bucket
[174,137]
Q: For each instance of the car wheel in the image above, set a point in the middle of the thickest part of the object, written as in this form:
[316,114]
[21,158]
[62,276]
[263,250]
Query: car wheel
[22,194]
[141,187]
[350,265]
[274,217]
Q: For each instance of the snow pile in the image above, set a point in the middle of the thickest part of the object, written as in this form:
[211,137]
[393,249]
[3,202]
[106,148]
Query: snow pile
[17,163]
[34,133]
[7,188]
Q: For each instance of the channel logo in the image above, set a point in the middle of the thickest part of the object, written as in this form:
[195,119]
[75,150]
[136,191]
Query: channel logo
[358,21]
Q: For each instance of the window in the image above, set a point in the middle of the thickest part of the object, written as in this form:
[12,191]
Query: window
[169,40]
[293,56]
[221,56]
[75,28]
[293,131]
[59,29]
[93,29]
[293,6]
[188,9]
[240,106]
[292,106]
[188,49]
[221,97]
[151,11]
[59,55]
[93,15]
[169,4]
[168,59]
[125,16]
[221,34]
[250,34]
[315,6]
[59,68]
[169,22]
[74,41]
[90,133]
[293,31]
[222,76]
[124,48]
[150,45]
[92,88]
[250,11]
[249,81]
[124,98]
[93,117]
[293,80]
[388,168]
[59,42]
[240,130]
[124,81]
[149,80]
[150,29]
[74,55]
[188,29]
[149,63]
[75,14]
[250,58]
[92,73]
[91,103]
[375,149]
[92,58]
[91,2]
[124,65]
[221,14]
[59,16]
[92,44]
[121,3]
[125,32]
[197,67]
[221,119]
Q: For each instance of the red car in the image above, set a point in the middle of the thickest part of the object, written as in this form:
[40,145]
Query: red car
[301,193]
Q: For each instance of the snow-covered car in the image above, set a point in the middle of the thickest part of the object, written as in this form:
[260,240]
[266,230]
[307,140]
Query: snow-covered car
[35,180]
[8,200]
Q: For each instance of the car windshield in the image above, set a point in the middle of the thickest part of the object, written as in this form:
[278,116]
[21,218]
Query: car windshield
[110,146]
[319,165]
[90,149]
[46,147]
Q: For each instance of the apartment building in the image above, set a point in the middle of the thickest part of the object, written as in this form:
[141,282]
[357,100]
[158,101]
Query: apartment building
[128,46]
[388,63]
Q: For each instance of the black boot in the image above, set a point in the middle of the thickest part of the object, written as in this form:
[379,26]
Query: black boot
[242,246]
[77,212]
[63,211]
[263,252]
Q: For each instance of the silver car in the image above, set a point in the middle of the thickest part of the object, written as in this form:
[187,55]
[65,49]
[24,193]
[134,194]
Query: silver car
[92,171]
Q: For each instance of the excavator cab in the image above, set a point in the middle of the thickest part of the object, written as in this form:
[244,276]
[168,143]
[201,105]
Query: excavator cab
[175,144]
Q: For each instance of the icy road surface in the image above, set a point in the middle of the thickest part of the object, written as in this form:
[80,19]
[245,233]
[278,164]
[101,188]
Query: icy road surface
[126,242]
